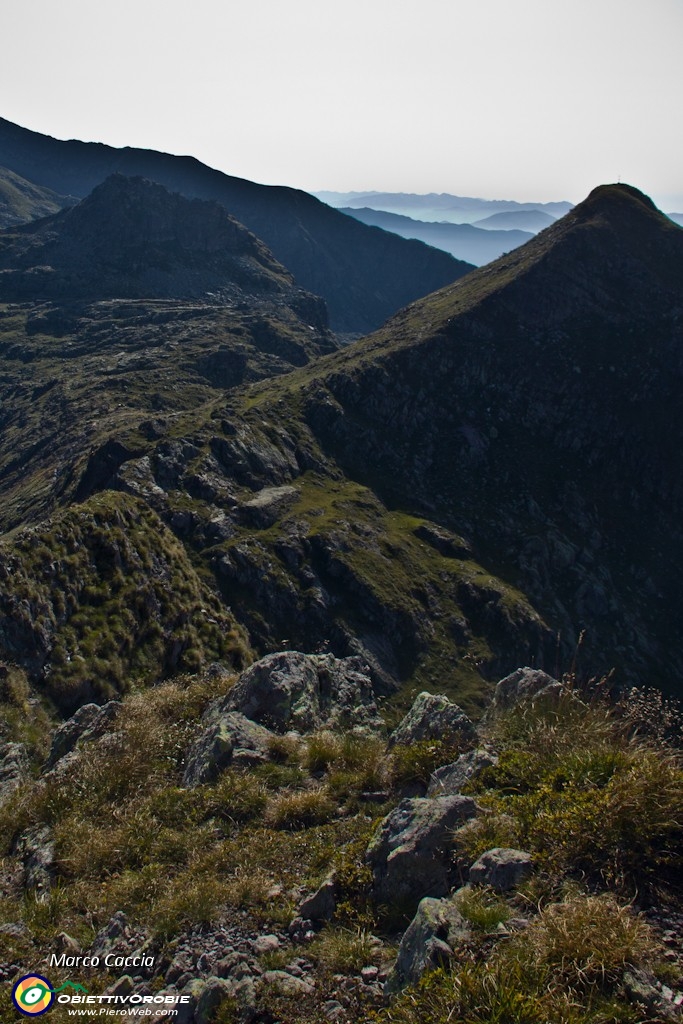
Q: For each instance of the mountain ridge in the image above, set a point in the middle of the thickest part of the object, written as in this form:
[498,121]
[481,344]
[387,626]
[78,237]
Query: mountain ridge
[363,277]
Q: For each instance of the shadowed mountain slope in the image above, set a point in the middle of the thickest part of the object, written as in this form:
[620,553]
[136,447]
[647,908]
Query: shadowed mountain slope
[534,408]
[138,307]
[132,239]
[363,276]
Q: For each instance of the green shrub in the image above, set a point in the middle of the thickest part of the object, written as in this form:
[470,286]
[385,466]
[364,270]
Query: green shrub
[585,796]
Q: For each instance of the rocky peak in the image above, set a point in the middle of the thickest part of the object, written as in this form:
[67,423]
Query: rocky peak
[131,238]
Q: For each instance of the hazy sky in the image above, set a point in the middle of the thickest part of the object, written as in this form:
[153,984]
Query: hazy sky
[524,99]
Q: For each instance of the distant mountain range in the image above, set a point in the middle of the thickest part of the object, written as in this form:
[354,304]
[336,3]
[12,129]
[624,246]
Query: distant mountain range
[455,224]
[524,220]
[464,241]
[363,275]
[438,206]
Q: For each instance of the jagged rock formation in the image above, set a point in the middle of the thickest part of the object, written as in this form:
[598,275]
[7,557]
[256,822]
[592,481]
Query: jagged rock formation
[130,238]
[304,692]
[439,499]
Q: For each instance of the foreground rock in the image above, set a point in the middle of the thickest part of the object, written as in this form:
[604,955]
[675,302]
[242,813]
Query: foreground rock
[411,851]
[449,780]
[227,738]
[434,717]
[438,926]
[501,868]
[88,723]
[304,692]
[522,685]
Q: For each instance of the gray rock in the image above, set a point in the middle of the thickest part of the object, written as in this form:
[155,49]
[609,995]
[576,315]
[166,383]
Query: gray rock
[122,987]
[15,929]
[37,850]
[643,988]
[434,717]
[66,944]
[410,853]
[214,992]
[322,904]
[14,769]
[523,684]
[304,692]
[265,944]
[268,506]
[119,937]
[334,1010]
[227,737]
[186,1011]
[501,868]
[89,722]
[438,926]
[287,984]
[449,780]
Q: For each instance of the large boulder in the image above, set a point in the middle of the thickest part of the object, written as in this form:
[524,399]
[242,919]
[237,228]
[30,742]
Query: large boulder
[411,852]
[438,926]
[304,692]
[227,738]
[434,717]
[524,684]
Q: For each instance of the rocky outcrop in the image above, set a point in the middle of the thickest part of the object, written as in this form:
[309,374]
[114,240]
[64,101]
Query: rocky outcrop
[36,848]
[88,723]
[410,853]
[304,692]
[428,942]
[228,738]
[434,717]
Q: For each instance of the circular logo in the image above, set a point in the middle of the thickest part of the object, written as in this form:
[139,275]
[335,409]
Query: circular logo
[33,995]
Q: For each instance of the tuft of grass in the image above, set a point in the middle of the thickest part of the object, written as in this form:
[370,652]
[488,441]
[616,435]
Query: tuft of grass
[300,809]
[344,950]
[585,942]
[565,968]
[482,907]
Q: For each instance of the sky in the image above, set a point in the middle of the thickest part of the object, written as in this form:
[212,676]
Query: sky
[533,100]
